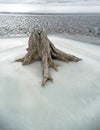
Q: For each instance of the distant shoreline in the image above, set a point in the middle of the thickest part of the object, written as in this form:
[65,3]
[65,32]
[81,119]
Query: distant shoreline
[31,13]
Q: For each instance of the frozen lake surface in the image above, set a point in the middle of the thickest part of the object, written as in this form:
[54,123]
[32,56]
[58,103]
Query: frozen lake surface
[65,24]
[71,102]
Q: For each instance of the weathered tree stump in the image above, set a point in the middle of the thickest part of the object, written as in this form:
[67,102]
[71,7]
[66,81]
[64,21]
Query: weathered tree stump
[41,48]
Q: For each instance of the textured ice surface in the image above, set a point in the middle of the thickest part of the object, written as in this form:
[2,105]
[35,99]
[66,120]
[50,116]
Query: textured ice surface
[71,24]
[71,102]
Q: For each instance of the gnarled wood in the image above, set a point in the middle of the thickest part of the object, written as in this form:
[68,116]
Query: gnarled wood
[41,48]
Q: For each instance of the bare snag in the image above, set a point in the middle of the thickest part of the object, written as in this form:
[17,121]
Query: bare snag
[41,48]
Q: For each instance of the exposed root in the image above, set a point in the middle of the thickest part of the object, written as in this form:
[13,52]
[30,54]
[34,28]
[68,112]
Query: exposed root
[20,60]
[45,71]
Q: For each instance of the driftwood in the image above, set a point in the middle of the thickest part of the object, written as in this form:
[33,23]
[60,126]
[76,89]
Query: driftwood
[41,48]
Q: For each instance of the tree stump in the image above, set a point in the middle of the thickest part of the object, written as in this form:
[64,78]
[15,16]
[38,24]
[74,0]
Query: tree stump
[41,48]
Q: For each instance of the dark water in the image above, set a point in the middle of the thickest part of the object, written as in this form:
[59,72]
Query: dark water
[71,24]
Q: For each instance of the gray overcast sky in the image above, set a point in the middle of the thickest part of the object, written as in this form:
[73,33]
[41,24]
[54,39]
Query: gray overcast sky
[46,1]
[15,1]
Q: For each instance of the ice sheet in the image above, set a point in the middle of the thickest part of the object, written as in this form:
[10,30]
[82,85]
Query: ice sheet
[71,102]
